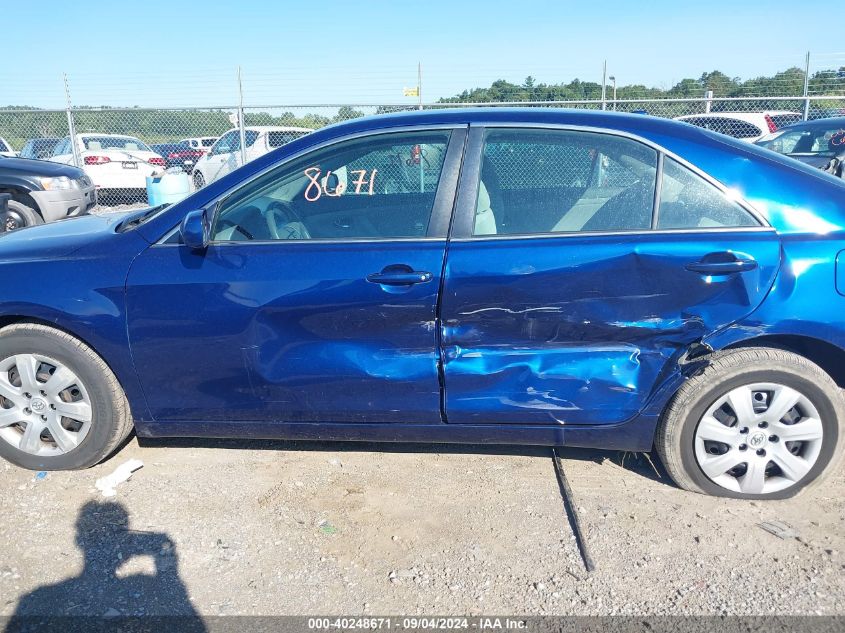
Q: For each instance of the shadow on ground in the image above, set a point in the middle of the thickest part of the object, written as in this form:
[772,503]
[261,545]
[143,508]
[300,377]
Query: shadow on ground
[101,593]
[643,464]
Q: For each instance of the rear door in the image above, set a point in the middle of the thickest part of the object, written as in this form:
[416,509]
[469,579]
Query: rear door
[567,296]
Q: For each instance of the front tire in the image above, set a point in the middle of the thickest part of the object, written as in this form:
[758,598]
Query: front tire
[19,216]
[199,180]
[755,423]
[61,406]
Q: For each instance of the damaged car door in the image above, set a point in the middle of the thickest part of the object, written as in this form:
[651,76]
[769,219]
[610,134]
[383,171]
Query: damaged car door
[582,265]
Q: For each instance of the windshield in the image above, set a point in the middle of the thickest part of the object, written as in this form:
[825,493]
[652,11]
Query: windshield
[821,139]
[114,142]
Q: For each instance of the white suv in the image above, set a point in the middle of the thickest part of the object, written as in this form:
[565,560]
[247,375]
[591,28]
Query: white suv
[225,155]
[746,126]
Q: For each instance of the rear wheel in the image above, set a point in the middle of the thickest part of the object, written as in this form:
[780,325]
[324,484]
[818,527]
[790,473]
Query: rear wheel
[756,423]
[199,180]
[18,216]
[61,407]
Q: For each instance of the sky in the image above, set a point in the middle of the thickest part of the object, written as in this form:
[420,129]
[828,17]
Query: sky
[153,53]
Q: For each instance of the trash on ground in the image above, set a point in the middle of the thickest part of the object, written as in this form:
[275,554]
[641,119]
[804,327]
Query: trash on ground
[41,474]
[779,529]
[122,473]
[327,528]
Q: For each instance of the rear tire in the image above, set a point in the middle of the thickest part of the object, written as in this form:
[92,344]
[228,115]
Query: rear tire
[20,215]
[199,180]
[84,407]
[714,441]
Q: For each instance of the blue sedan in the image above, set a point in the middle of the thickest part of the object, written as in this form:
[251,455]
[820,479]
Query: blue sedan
[530,276]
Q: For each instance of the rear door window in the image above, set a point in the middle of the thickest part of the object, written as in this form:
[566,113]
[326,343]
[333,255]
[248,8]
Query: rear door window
[277,139]
[557,181]
[688,201]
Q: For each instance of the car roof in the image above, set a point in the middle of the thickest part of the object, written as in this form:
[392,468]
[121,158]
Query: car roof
[833,121]
[103,135]
[276,128]
[742,116]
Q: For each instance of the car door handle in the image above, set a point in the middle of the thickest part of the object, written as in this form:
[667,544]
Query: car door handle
[721,264]
[399,277]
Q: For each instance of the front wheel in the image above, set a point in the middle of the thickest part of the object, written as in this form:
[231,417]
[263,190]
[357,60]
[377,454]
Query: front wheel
[756,423]
[199,180]
[18,216]
[61,407]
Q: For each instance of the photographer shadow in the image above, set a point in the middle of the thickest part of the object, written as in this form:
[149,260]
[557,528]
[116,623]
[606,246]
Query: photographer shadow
[102,592]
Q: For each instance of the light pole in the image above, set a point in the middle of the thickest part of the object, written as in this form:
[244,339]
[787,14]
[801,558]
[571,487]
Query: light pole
[613,79]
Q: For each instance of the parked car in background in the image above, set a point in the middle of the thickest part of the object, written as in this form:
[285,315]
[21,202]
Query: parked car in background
[39,148]
[42,192]
[201,143]
[118,165]
[178,155]
[747,126]
[225,155]
[512,276]
[6,148]
[813,142]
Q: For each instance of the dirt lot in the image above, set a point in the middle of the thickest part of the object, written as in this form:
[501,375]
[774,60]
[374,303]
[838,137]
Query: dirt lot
[225,527]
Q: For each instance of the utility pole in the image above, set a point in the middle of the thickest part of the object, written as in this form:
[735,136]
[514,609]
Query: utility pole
[241,117]
[807,87]
[71,128]
[604,87]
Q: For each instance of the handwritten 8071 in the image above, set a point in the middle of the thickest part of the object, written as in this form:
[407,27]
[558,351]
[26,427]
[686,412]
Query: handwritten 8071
[318,188]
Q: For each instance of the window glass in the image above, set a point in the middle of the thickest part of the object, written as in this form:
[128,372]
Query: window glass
[206,142]
[3,147]
[226,143]
[552,181]
[63,147]
[114,142]
[277,139]
[822,140]
[376,187]
[688,201]
[250,136]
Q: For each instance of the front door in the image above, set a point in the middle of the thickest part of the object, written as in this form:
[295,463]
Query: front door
[316,300]
[568,296]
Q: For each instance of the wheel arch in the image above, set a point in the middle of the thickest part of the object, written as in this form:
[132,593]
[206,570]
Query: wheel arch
[830,357]
[136,405]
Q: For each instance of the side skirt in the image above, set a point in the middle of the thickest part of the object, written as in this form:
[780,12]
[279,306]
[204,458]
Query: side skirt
[634,435]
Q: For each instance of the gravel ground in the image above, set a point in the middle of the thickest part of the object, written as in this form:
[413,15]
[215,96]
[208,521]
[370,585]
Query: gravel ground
[230,527]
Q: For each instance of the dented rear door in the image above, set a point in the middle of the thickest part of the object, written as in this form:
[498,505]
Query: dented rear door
[581,328]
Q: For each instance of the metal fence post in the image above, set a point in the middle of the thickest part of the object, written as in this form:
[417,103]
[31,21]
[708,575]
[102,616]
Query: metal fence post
[241,117]
[419,85]
[708,103]
[71,128]
[604,87]
[807,87]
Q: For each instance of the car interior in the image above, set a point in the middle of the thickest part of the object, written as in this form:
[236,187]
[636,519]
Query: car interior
[385,191]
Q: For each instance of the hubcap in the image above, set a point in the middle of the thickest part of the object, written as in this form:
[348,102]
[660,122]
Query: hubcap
[11,221]
[759,438]
[44,407]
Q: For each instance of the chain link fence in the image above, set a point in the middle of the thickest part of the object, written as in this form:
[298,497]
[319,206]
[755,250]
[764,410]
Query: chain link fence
[120,147]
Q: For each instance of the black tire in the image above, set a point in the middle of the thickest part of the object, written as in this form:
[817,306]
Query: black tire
[674,440]
[19,216]
[111,421]
[199,180]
